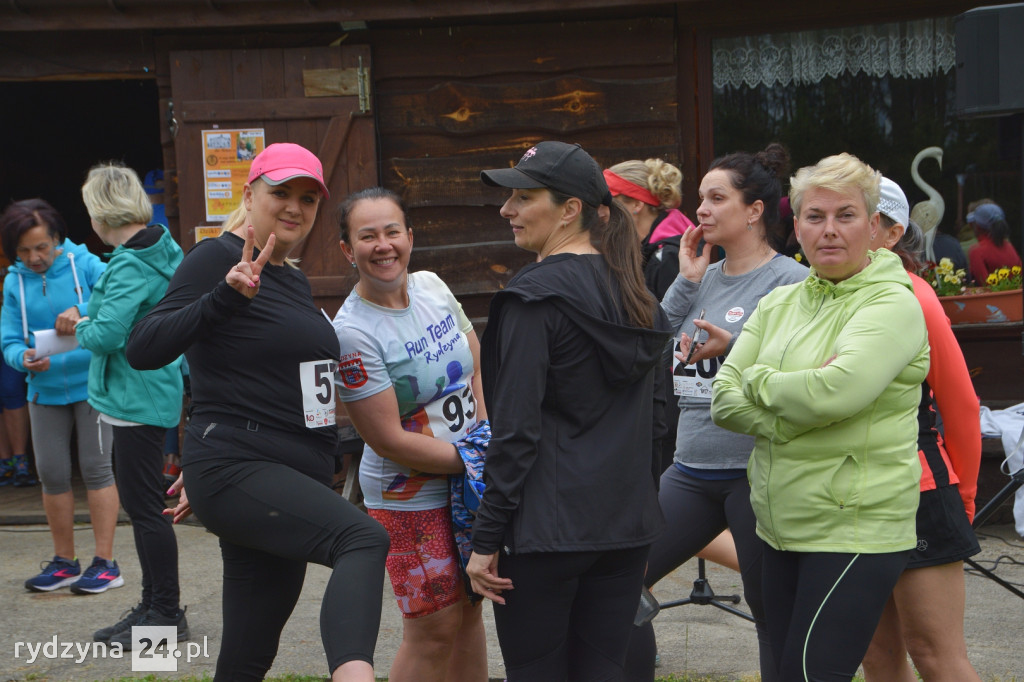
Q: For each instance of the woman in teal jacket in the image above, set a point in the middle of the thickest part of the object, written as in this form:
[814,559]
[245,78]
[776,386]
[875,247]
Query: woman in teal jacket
[46,289]
[139,405]
[827,376]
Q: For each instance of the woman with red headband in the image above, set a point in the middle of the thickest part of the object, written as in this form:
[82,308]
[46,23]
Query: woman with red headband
[650,192]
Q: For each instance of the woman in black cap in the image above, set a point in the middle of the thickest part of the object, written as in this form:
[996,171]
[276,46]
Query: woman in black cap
[568,361]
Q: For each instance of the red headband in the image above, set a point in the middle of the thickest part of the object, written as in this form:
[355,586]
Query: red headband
[620,185]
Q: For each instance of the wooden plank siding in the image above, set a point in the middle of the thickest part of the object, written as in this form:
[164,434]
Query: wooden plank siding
[453,101]
[266,88]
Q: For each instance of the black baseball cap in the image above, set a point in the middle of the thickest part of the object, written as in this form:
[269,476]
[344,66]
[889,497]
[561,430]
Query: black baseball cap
[562,167]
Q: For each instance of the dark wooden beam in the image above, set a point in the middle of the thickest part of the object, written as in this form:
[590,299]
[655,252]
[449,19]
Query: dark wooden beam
[752,17]
[25,56]
[687,97]
[705,114]
[266,109]
[68,15]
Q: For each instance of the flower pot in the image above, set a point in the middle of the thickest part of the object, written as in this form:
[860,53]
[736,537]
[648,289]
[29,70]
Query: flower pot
[990,306]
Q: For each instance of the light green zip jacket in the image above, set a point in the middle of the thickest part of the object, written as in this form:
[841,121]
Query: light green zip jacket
[827,377]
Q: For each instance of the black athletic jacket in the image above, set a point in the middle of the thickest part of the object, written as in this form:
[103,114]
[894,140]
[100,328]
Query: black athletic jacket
[569,387]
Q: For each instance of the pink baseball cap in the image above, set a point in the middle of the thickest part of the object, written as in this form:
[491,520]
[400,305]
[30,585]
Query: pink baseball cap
[282,161]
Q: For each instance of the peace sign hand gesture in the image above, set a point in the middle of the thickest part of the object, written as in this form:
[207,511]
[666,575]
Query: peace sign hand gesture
[245,277]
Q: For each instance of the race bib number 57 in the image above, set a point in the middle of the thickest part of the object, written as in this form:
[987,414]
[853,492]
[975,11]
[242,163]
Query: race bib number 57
[316,378]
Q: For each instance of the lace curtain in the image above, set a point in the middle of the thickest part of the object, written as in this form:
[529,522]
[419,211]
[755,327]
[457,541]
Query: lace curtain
[913,49]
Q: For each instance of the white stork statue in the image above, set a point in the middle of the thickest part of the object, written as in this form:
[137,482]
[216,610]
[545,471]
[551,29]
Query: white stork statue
[928,214]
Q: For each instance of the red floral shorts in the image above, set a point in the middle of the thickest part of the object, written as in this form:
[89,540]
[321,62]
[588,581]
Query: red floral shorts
[421,562]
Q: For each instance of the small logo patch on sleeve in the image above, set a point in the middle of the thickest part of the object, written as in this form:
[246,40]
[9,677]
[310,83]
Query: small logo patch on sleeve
[352,372]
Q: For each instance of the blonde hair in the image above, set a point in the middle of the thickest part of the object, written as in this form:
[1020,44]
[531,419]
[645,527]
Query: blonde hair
[658,177]
[837,173]
[237,218]
[114,196]
[234,219]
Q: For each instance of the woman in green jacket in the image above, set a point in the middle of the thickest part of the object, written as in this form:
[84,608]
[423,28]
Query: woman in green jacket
[827,376]
[140,405]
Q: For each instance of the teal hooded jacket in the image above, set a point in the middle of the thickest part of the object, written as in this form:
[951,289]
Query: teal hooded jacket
[827,377]
[135,280]
[74,270]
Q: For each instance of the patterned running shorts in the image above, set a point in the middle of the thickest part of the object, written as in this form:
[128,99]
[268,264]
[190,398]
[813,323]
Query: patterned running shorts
[421,562]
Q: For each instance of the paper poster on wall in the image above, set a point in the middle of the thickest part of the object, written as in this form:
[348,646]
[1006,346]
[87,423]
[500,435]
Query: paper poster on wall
[227,155]
[207,232]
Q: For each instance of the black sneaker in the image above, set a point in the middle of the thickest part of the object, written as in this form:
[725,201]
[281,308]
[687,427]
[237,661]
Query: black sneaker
[128,619]
[152,617]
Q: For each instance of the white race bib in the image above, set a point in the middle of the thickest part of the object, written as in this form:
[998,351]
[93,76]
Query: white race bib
[316,379]
[694,380]
[451,417]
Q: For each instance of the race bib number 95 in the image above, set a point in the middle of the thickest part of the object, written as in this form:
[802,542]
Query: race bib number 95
[316,379]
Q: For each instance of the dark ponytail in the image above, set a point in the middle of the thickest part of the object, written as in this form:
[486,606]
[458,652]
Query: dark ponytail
[998,231]
[616,240]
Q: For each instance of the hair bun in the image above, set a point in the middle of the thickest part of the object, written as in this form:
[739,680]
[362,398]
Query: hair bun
[775,159]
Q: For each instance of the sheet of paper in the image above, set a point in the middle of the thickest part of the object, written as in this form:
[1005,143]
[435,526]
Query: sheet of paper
[49,343]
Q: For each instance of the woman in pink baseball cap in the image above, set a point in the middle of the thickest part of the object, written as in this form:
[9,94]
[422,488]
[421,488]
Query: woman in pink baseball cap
[258,453]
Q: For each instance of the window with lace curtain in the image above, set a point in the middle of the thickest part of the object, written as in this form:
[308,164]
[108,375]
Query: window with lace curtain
[883,92]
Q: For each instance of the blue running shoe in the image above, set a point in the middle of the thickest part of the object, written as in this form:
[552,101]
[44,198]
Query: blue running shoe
[56,574]
[99,577]
[23,478]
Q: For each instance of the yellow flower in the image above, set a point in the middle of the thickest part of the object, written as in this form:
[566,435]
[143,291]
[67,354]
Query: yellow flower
[1015,270]
[951,279]
[992,278]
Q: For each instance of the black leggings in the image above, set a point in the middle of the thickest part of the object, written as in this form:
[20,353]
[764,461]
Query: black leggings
[271,520]
[823,607]
[138,468]
[696,511]
[569,614]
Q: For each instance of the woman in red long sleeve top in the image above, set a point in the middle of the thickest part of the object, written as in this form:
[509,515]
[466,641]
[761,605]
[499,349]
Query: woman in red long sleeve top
[953,393]
[925,613]
[993,250]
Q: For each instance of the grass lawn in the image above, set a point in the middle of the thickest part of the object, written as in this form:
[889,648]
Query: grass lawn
[316,678]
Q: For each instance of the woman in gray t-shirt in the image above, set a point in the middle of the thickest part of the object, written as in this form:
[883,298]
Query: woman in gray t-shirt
[705,491]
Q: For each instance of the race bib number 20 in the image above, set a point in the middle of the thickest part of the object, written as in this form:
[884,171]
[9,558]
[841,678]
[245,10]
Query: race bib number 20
[694,380]
[316,378]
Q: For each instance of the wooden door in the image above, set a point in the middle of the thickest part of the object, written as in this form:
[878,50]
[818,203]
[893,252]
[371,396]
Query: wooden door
[316,97]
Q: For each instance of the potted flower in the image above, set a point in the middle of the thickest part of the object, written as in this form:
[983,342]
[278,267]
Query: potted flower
[999,300]
[1004,279]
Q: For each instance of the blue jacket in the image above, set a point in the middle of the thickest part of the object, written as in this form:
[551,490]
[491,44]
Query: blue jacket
[47,296]
[135,280]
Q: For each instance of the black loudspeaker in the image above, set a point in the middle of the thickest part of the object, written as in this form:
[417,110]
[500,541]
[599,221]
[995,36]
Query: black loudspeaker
[990,61]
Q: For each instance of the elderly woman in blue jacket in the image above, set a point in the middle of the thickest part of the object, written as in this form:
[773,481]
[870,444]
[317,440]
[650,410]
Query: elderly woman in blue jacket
[139,405]
[47,288]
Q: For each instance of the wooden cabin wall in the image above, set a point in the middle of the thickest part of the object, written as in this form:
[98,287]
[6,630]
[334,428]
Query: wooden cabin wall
[452,101]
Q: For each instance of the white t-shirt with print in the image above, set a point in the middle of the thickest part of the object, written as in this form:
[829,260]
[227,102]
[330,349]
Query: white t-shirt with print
[422,352]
